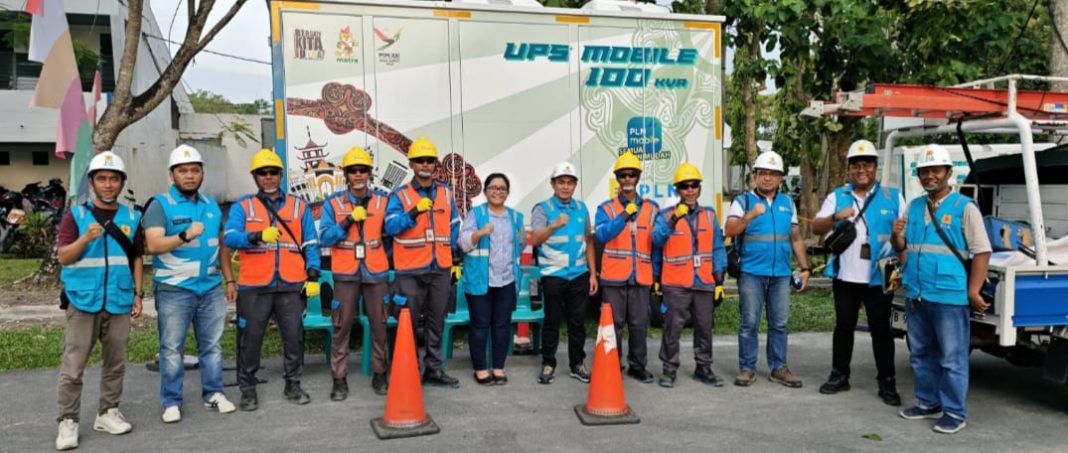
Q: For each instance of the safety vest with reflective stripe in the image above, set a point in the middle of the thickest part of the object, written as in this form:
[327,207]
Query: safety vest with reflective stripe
[429,240]
[630,253]
[879,218]
[564,253]
[766,247]
[475,277]
[192,266]
[369,233]
[687,255]
[259,262]
[101,278]
[932,271]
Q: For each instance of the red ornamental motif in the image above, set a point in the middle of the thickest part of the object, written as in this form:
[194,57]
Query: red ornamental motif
[461,177]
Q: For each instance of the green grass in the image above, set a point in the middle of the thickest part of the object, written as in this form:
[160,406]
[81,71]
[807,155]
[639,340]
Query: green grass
[12,269]
[42,347]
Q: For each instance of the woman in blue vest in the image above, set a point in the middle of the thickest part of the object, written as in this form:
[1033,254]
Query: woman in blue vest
[492,240]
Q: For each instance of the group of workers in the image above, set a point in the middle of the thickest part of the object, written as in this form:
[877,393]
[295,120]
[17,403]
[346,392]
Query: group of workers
[677,251]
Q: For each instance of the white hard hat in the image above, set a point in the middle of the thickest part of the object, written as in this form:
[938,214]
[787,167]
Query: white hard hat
[564,169]
[185,154]
[769,160]
[107,160]
[933,156]
[862,148]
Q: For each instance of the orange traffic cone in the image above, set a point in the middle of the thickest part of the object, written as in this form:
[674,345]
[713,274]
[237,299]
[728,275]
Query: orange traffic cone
[405,415]
[606,404]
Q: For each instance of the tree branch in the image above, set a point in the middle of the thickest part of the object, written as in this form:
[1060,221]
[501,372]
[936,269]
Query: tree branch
[222,22]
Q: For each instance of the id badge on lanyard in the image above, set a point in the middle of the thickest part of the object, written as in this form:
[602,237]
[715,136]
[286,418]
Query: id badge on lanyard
[429,235]
[360,250]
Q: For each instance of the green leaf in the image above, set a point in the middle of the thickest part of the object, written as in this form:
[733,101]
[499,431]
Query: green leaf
[872,436]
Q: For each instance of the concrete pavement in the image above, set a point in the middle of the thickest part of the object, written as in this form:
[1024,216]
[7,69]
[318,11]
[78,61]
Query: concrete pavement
[1011,409]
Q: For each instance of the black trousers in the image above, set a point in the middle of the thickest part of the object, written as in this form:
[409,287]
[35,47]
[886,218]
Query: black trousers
[428,300]
[565,298]
[254,309]
[630,308]
[848,298]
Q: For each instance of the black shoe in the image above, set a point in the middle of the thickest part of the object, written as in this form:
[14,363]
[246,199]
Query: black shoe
[548,374]
[488,380]
[581,373]
[838,382]
[294,394]
[704,374]
[888,391]
[640,374]
[379,383]
[340,391]
[499,379]
[440,379]
[667,380]
[249,401]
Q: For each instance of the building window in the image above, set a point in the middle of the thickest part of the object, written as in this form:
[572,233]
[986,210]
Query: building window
[40,158]
[5,158]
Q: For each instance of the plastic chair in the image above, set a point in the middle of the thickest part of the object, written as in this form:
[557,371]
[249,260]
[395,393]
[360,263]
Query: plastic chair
[314,319]
[365,327]
[461,317]
[523,311]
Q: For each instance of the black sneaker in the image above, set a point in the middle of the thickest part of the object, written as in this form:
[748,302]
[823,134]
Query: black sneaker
[667,380]
[705,375]
[640,374]
[888,391]
[838,382]
[440,379]
[379,383]
[340,390]
[548,374]
[581,373]
[296,395]
[249,401]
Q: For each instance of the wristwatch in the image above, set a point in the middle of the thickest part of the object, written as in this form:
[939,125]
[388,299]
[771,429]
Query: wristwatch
[806,269]
[182,237]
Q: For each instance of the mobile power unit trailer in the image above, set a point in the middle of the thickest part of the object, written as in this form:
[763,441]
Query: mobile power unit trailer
[498,88]
[1026,216]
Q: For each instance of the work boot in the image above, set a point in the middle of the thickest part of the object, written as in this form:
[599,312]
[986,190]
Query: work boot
[249,400]
[784,376]
[379,383]
[296,395]
[640,374]
[340,390]
[745,378]
[548,374]
[667,380]
[704,374]
[581,373]
[439,379]
[838,382]
[888,391]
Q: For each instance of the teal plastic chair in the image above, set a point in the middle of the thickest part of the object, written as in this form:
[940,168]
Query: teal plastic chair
[314,319]
[461,317]
[365,327]
[523,311]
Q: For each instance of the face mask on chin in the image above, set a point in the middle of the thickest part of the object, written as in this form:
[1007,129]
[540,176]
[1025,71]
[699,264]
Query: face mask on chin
[628,188]
[358,186]
[270,191]
[424,174]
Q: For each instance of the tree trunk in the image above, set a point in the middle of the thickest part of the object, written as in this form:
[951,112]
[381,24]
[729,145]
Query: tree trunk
[837,147]
[1058,55]
[749,95]
[46,276]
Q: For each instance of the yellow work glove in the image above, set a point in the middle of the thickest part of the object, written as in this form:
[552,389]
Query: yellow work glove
[311,289]
[631,208]
[424,205]
[717,297]
[270,235]
[359,213]
[656,289]
[681,210]
[456,273]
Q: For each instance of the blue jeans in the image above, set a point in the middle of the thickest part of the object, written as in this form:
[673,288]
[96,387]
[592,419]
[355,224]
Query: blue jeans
[939,336]
[755,292]
[176,309]
[491,316]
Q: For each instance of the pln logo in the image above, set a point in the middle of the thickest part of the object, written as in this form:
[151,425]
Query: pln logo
[645,135]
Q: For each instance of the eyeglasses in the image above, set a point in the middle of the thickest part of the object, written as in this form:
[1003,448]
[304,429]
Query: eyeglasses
[424,160]
[496,189]
[688,185]
[357,169]
[268,172]
[627,175]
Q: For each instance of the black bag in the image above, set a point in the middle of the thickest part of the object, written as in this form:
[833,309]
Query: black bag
[845,232]
[734,256]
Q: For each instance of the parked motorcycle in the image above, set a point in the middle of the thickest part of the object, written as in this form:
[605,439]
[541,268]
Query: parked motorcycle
[11,217]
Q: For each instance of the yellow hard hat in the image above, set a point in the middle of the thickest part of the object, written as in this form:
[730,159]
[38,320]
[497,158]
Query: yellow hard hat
[627,160]
[356,156]
[264,158]
[687,172]
[422,147]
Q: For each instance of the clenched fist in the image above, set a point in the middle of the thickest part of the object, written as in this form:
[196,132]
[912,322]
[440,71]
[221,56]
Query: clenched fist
[846,213]
[681,210]
[898,227]
[359,213]
[758,210]
[560,221]
[94,232]
[424,205]
[194,230]
[631,208]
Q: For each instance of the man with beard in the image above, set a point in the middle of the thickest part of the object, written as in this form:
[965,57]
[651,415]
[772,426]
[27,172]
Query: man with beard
[624,225]
[101,275]
[351,225]
[182,228]
[425,225]
[278,246]
[939,231]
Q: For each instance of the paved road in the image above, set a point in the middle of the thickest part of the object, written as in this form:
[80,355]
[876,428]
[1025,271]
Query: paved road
[1012,410]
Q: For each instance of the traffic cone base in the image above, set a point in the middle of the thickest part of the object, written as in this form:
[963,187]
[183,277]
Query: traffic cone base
[590,419]
[385,431]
